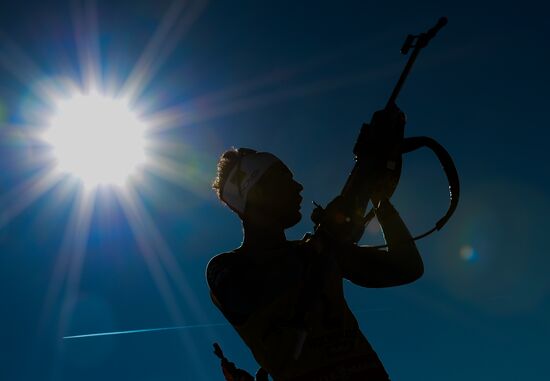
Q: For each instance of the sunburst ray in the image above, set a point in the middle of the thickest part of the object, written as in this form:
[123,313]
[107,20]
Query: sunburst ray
[176,21]
[155,251]
[74,247]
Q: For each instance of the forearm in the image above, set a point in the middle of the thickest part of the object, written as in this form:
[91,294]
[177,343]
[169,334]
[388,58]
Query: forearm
[370,267]
[401,247]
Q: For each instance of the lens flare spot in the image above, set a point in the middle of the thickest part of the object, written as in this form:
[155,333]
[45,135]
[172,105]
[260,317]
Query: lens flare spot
[468,254]
[3,113]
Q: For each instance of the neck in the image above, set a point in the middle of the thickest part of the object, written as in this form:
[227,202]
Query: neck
[262,237]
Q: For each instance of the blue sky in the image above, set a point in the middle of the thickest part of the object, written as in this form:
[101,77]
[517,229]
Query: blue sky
[297,79]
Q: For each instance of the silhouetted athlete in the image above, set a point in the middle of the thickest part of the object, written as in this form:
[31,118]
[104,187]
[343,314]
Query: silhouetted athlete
[285,298]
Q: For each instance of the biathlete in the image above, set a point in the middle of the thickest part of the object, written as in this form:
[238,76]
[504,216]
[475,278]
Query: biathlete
[285,298]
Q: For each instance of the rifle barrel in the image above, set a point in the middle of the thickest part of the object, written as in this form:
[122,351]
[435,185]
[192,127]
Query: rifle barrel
[421,42]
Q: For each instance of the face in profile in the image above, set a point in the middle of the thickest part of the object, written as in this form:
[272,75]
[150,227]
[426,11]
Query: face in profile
[276,197]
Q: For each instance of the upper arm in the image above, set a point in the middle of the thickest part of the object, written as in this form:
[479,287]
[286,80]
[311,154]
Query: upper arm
[370,267]
[234,294]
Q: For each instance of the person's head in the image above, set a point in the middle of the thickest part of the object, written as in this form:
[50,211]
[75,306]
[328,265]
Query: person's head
[259,187]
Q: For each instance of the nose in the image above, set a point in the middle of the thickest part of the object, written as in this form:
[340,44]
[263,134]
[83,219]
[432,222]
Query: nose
[299,186]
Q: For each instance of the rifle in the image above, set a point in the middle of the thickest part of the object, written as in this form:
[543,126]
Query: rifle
[380,144]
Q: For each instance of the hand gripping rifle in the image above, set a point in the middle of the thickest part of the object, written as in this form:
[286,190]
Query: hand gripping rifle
[232,373]
[379,147]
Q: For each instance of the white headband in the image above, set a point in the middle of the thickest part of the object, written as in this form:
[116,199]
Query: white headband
[242,178]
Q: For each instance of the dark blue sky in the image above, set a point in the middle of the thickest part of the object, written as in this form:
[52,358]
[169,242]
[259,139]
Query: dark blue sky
[297,79]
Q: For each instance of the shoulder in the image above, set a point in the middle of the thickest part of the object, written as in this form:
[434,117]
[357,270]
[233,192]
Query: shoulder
[217,264]
[224,267]
[233,288]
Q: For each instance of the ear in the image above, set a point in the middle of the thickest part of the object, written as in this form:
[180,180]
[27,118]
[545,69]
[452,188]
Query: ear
[255,196]
[254,204]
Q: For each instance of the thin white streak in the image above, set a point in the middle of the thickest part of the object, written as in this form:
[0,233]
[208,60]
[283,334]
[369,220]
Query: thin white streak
[146,330]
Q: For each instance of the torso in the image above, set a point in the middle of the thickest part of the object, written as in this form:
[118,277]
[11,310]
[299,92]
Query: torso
[276,286]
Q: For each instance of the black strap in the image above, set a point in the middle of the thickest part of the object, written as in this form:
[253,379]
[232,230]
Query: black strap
[414,143]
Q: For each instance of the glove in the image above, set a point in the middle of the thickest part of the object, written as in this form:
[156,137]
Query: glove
[379,146]
[262,375]
[232,373]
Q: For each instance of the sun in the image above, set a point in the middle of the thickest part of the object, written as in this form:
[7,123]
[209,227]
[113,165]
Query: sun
[97,138]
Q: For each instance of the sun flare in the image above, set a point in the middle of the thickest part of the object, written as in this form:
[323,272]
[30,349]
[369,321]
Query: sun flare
[96,138]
